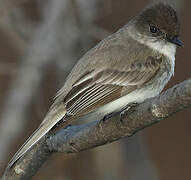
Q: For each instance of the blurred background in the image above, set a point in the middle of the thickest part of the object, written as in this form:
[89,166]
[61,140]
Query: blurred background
[40,41]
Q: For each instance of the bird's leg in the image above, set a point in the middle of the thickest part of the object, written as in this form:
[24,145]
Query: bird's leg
[108,116]
[128,109]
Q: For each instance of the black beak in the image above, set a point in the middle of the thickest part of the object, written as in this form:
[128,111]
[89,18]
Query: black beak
[176,41]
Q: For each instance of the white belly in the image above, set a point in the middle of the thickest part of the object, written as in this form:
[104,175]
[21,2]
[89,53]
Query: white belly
[136,96]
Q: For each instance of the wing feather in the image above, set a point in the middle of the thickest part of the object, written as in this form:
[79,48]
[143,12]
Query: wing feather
[94,99]
[106,85]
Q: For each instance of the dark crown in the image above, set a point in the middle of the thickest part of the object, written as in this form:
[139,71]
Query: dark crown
[163,16]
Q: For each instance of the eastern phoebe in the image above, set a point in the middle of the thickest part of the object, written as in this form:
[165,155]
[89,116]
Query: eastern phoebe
[131,65]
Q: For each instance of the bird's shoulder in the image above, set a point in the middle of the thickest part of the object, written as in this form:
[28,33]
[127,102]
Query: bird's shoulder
[119,48]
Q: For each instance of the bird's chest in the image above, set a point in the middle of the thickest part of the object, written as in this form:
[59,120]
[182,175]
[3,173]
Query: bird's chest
[161,79]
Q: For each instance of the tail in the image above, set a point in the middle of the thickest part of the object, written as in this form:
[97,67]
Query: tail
[51,119]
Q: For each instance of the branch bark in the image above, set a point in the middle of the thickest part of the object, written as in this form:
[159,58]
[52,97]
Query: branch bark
[73,139]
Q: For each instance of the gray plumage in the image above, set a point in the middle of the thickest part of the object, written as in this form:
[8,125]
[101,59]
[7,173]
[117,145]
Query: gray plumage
[121,69]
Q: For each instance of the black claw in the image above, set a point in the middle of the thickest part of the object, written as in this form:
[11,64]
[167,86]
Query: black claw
[107,116]
[129,108]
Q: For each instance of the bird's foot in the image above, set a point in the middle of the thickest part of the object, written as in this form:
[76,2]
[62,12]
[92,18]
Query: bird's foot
[128,109]
[110,115]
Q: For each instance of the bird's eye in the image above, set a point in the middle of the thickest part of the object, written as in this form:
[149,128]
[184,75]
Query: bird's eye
[153,29]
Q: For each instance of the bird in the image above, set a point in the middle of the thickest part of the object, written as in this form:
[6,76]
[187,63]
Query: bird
[129,66]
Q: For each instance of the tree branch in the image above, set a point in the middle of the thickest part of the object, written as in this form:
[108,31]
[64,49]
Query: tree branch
[77,138]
